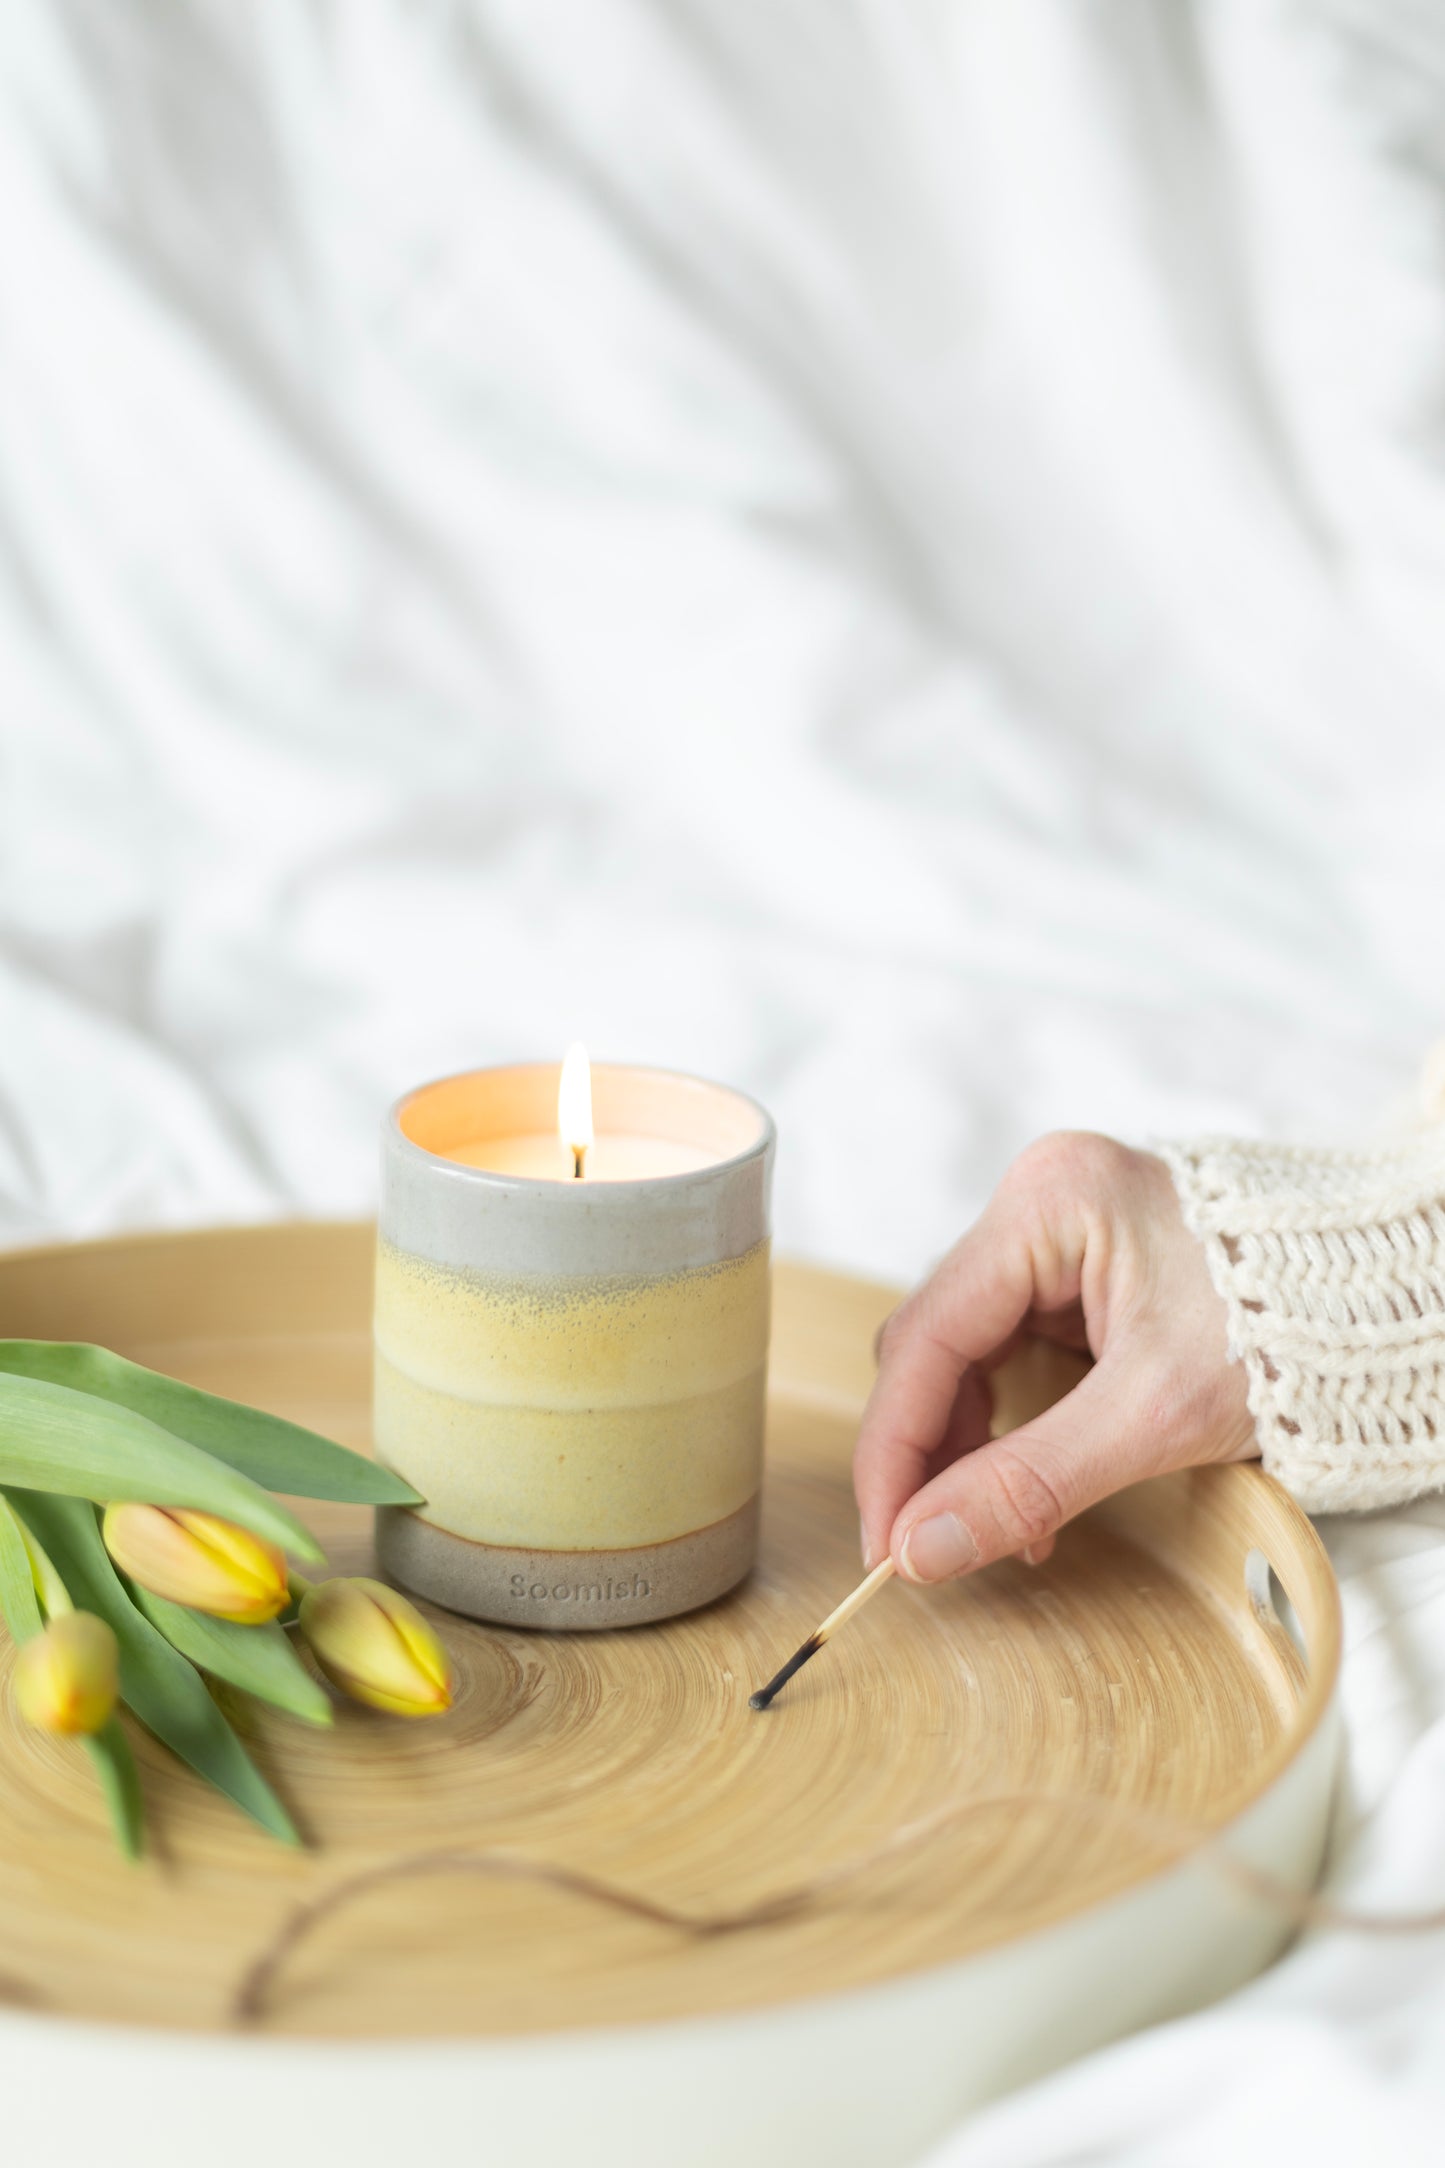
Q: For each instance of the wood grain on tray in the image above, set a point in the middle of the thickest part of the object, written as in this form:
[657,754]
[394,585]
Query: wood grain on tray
[1137,1667]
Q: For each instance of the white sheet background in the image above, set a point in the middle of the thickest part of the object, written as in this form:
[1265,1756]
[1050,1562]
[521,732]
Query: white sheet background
[890,552]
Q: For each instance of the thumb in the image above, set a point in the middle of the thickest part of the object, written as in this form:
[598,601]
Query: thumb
[1018,1490]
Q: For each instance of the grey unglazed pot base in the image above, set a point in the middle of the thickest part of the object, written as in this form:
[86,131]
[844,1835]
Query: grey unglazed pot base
[566,1591]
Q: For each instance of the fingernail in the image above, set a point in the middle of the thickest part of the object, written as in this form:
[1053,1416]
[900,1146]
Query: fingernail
[937,1549]
[865,1548]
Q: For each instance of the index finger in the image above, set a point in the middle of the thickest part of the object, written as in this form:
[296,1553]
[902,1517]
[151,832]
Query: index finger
[978,1296]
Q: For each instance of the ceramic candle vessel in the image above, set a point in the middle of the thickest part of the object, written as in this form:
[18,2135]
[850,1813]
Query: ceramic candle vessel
[572,1372]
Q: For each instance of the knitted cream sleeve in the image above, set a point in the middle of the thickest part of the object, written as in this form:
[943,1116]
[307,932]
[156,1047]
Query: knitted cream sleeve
[1332,1266]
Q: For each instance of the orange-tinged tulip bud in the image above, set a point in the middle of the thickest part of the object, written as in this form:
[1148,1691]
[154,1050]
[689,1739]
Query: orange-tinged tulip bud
[67,1678]
[196,1559]
[376,1647]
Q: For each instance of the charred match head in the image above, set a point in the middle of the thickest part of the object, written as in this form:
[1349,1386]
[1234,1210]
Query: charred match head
[765,1695]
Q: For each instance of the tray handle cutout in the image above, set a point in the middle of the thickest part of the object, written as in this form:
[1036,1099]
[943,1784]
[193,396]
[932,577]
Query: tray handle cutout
[1277,1616]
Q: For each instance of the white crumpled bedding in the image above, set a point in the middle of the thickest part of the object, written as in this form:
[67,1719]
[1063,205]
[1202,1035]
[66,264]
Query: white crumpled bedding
[892,552]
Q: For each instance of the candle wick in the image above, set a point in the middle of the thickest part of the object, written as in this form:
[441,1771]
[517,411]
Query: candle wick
[579,1153]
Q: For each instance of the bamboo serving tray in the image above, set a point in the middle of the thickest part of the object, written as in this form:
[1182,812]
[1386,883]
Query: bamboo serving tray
[1140,1692]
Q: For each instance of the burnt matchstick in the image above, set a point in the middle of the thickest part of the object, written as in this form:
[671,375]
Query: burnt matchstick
[766,1695]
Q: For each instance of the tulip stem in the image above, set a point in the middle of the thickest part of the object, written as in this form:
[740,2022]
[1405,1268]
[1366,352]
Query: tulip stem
[298,1585]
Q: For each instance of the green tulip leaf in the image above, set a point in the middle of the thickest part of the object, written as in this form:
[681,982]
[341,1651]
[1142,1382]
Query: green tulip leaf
[278,1455]
[53,1438]
[164,1690]
[114,1765]
[18,1599]
[259,1659]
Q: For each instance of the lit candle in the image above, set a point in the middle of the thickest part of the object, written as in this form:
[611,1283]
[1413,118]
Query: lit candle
[571,1341]
[572,1151]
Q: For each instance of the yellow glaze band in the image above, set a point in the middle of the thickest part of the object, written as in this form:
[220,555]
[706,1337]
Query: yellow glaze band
[573,1414]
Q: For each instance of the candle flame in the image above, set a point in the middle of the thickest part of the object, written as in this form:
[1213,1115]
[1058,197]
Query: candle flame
[574,1103]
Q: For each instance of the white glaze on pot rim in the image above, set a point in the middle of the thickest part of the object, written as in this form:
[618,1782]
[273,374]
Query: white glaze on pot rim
[473,1219]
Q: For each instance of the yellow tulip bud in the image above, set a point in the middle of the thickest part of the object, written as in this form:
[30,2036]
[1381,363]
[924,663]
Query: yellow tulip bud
[196,1559]
[376,1647]
[67,1678]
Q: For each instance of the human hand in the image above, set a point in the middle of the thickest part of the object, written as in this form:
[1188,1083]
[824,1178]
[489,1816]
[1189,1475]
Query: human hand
[1082,1243]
